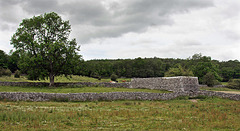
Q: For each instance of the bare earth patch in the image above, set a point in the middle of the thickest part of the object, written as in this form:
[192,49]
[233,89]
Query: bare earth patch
[232,92]
[194,100]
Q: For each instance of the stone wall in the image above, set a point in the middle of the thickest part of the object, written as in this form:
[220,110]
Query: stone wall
[44,84]
[111,96]
[176,84]
[182,86]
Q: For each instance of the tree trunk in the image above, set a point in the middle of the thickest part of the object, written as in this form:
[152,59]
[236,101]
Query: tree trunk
[51,77]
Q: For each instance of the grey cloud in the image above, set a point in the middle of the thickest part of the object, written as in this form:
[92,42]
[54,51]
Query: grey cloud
[232,35]
[166,7]
[4,27]
[112,19]
[9,14]
[189,43]
[40,6]
[4,3]
[8,11]
[128,16]
[86,12]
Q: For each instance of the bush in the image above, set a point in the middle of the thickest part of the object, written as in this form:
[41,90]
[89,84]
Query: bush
[234,84]
[99,78]
[95,75]
[32,75]
[5,72]
[209,79]
[17,74]
[114,77]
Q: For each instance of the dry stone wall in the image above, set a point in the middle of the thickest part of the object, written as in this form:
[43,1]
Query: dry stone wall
[111,96]
[176,84]
[44,84]
[181,86]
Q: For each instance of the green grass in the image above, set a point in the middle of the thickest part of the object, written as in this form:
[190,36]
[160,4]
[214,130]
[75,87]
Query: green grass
[224,83]
[73,78]
[12,79]
[194,114]
[74,90]
[218,89]
[201,114]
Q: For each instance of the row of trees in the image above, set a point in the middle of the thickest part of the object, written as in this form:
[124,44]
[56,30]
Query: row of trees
[197,65]
[200,66]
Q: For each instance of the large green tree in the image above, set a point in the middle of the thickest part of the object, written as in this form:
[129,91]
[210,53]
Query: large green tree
[44,47]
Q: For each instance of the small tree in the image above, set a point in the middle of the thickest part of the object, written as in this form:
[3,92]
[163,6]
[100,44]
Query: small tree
[5,72]
[209,79]
[44,48]
[17,74]
[114,77]
[234,84]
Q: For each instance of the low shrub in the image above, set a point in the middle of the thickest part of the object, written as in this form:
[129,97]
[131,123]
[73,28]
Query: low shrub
[234,84]
[5,72]
[17,74]
[209,79]
[114,77]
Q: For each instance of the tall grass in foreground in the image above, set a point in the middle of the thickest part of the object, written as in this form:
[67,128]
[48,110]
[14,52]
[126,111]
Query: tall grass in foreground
[205,114]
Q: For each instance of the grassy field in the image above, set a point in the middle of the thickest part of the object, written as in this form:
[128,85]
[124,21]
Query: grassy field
[179,114]
[74,90]
[224,83]
[195,114]
[73,78]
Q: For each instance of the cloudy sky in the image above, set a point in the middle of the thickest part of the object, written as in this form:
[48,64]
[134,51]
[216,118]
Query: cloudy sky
[137,28]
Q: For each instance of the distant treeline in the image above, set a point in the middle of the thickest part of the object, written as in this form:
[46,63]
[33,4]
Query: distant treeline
[197,65]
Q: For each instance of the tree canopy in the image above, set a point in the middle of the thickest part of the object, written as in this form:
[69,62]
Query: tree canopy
[3,59]
[44,47]
[178,71]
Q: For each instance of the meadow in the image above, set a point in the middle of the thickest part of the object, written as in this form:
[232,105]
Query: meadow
[179,114]
[202,113]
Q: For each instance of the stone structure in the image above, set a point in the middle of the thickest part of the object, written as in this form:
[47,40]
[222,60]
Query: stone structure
[176,84]
[181,86]
[45,84]
[111,96]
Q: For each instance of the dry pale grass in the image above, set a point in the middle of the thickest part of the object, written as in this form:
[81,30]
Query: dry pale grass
[232,92]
